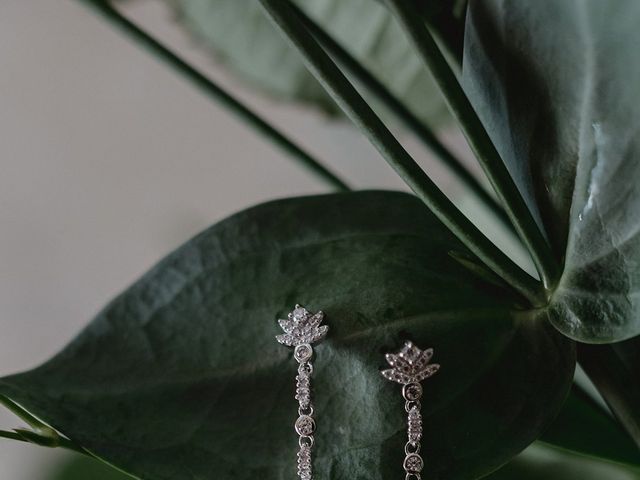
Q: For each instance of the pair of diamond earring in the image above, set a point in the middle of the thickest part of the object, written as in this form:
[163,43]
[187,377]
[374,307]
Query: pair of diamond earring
[409,367]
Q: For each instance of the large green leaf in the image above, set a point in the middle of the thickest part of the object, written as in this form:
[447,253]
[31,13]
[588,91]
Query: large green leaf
[557,84]
[180,377]
[582,426]
[239,34]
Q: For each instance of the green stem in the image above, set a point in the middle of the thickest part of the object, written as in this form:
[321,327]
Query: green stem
[479,141]
[404,114]
[214,91]
[12,436]
[448,22]
[40,433]
[38,427]
[325,70]
[62,443]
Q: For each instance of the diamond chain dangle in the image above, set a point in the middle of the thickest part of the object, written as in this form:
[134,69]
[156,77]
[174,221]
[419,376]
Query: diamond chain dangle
[305,424]
[413,462]
[409,367]
[302,328]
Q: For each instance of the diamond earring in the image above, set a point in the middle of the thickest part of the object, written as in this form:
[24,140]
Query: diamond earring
[301,329]
[409,367]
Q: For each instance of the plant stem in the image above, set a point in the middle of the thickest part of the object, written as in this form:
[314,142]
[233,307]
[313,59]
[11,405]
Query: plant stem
[403,113]
[325,70]
[38,427]
[41,433]
[448,24]
[479,141]
[11,436]
[63,442]
[216,92]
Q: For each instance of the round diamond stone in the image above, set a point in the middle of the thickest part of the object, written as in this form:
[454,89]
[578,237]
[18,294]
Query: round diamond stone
[305,426]
[303,353]
[299,313]
[413,463]
[412,392]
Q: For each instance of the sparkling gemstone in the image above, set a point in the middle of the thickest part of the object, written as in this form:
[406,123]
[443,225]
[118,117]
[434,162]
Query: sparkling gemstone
[410,365]
[413,463]
[427,372]
[302,327]
[414,425]
[318,333]
[305,425]
[303,353]
[412,392]
[299,313]
[303,388]
[410,351]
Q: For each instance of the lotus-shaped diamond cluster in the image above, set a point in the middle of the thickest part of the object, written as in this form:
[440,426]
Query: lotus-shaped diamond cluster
[410,365]
[302,327]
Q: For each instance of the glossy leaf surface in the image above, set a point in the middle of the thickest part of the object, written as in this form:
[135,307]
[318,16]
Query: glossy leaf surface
[557,85]
[180,377]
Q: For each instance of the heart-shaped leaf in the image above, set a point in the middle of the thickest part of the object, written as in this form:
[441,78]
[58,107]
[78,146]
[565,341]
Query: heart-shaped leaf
[180,377]
[557,84]
[239,34]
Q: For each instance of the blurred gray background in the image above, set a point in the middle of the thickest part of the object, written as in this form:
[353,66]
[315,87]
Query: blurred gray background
[108,160]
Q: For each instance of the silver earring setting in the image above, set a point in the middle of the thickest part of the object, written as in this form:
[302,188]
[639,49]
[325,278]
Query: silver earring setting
[409,367]
[302,329]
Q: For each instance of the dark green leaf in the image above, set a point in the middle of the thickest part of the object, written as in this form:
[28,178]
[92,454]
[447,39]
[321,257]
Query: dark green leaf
[180,377]
[615,370]
[585,428]
[80,467]
[539,462]
[239,34]
[557,84]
